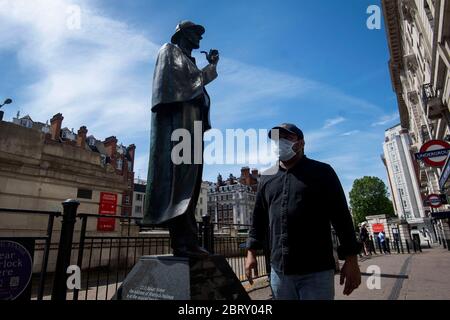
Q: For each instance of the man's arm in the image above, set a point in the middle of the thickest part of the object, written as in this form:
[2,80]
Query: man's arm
[257,234]
[341,220]
[258,230]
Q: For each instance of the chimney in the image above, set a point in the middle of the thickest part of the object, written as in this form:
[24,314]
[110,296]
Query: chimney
[245,172]
[111,146]
[131,151]
[81,137]
[55,126]
[245,176]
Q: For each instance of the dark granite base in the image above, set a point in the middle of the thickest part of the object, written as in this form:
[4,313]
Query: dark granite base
[174,278]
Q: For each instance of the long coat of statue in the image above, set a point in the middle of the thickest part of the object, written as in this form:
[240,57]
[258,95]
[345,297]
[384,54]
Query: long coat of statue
[179,99]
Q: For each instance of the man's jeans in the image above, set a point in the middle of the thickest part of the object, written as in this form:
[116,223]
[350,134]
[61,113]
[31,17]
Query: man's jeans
[313,286]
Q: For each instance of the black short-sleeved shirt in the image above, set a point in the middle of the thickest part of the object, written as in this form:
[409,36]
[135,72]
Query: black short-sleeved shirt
[293,214]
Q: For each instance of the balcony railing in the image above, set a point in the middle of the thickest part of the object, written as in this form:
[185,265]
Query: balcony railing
[432,102]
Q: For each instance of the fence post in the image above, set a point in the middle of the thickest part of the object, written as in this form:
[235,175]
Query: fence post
[81,250]
[208,234]
[407,245]
[64,249]
[48,243]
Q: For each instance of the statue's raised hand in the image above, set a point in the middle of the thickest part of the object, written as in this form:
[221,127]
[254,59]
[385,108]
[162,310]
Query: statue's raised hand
[212,56]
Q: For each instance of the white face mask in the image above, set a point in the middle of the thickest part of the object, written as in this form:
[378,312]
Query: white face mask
[285,150]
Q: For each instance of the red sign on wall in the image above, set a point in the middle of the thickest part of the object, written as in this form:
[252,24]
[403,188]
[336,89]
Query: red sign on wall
[108,206]
[377,227]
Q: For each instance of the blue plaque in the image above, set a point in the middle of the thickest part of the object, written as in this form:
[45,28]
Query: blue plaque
[16,268]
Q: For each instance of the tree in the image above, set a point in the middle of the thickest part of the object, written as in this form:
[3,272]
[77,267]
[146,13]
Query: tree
[369,197]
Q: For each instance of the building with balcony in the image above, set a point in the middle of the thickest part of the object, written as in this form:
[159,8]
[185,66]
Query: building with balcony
[231,202]
[418,34]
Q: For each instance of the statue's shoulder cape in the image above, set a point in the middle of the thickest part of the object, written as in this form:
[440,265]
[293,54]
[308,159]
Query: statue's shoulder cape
[176,77]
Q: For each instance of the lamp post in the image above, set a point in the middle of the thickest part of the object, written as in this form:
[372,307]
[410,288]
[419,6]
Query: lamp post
[7,101]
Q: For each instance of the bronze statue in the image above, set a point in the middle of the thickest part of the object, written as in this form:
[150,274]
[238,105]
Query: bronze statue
[179,99]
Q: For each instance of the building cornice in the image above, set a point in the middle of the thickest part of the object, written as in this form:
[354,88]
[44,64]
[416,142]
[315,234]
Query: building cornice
[391,14]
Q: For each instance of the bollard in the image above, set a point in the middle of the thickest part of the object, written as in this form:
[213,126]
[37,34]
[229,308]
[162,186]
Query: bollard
[407,246]
[208,234]
[59,290]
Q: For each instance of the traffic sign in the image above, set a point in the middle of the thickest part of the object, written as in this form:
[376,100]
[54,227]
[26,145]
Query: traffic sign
[434,200]
[434,153]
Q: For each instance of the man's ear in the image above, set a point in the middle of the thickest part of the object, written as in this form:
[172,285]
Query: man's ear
[299,145]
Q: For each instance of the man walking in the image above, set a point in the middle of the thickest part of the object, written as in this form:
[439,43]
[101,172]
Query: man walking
[295,208]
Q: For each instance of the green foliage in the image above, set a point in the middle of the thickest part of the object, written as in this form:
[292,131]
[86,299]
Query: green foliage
[368,197]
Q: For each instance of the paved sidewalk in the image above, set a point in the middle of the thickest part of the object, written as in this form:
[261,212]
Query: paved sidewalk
[427,278]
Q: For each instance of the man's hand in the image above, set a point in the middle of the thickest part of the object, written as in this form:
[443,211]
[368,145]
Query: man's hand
[351,274]
[251,264]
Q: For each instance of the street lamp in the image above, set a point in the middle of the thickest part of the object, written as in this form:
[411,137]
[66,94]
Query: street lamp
[7,101]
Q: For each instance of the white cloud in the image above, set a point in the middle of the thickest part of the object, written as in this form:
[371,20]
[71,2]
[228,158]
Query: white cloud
[332,122]
[87,74]
[386,119]
[100,76]
[350,133]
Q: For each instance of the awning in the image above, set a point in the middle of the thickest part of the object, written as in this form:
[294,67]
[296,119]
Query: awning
[441,215]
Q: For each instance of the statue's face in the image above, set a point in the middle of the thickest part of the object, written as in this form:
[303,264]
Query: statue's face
[193,36]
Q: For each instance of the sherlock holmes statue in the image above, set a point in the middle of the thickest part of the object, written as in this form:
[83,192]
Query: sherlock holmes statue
[179,100]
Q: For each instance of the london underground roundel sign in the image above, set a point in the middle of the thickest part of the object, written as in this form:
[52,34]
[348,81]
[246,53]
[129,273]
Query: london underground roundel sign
[434,153]
[434,200]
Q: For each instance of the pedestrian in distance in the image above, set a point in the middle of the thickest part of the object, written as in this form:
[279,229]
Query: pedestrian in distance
[371,245]
[382,241]
[364,237]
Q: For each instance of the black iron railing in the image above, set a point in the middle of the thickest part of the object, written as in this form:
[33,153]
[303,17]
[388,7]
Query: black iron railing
[43,243]
[106,258]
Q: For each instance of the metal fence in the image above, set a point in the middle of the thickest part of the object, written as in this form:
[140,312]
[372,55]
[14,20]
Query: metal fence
[106,260]
[42,244]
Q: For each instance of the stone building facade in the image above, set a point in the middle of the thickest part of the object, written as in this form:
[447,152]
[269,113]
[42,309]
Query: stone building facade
[231,202]
[41,165]
[418,34]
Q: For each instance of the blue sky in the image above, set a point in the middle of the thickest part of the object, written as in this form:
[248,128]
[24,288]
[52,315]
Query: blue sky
[313,63]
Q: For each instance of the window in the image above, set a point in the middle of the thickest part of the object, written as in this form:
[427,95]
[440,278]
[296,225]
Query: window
[201,200]
[139,197]
[84,194]
[127,199]
[91,141]
[26,123]
[119,164]
[138,209]
[130,166]
[429,13]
